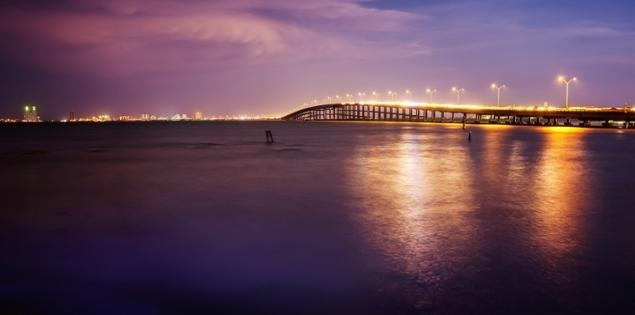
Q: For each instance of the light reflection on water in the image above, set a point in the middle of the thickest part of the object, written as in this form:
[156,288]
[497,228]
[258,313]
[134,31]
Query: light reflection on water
[561,183]
[442,211]
[411,199]
[334,218]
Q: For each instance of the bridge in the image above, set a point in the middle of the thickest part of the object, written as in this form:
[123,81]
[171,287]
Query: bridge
[623,117]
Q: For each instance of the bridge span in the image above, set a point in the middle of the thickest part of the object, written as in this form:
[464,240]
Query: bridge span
[471,114]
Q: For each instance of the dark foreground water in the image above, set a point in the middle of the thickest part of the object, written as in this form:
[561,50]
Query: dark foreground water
[334,218]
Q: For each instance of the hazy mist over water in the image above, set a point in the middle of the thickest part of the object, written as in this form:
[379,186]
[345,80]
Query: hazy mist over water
[333,218]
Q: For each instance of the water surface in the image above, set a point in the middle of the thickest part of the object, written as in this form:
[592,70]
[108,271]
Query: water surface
[334,218]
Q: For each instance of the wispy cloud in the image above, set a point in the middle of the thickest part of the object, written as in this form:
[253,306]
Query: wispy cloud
[119,37]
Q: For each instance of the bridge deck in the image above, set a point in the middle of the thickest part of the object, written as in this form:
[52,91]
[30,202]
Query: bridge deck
[585,116]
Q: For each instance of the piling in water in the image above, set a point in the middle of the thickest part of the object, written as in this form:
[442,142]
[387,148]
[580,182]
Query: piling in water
[269,136]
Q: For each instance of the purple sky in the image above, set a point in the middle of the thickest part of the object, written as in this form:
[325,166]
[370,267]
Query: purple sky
[270,56]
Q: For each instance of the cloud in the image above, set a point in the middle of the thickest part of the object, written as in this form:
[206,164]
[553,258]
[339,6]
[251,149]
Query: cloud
[122,37]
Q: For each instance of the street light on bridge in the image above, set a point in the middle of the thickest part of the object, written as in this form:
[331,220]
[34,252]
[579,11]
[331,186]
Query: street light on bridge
[566,81]
[408,93]
[498,88]
[458,91]
[431,93]
[392,95]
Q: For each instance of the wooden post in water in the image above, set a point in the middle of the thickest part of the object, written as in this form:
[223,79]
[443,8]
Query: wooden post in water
[269,136]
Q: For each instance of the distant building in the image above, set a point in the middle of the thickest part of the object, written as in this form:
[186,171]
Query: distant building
[71,116]
[180,117]
[101,118]
[124,117]
[198,116]
[30,114]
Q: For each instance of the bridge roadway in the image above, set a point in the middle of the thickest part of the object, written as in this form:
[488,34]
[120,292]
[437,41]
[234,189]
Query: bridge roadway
[517,115]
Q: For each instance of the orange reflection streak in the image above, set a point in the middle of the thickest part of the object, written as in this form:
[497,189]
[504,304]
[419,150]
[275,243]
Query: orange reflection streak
[414,195]
[492,155]
[562,190]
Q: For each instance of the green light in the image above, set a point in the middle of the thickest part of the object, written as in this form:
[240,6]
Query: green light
[26,108]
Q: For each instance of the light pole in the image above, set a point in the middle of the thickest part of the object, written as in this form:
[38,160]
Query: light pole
[408,93]
[498,88]
[361,95]
[392,95]
[431,93]
[458,91]
[566,82]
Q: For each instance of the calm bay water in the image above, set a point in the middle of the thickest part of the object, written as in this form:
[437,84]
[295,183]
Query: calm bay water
[334,218]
